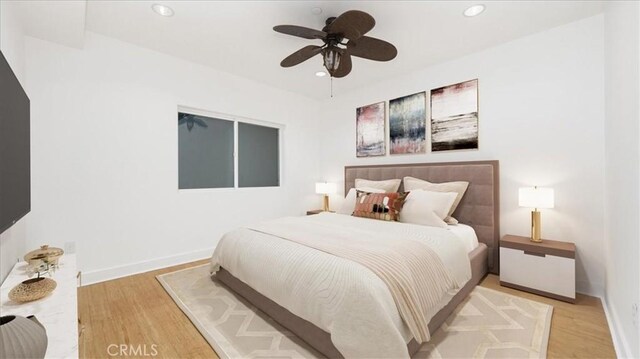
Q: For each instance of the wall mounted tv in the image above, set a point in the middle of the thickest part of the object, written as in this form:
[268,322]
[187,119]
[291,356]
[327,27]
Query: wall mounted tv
[15,145]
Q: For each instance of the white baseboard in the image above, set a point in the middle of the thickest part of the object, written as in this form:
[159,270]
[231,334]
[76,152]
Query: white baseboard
[620,343]
[144,266]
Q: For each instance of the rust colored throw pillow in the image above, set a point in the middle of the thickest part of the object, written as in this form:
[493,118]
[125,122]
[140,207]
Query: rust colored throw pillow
[384,206]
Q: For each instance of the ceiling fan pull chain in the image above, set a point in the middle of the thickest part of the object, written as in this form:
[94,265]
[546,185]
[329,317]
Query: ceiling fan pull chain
[331,86]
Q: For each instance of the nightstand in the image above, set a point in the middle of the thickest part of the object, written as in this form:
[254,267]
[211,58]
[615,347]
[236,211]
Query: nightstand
[316,211]
[547,268]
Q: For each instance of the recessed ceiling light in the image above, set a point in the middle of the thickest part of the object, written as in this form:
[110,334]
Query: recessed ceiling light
[316,10]
[162,10]
[474,10]
[321,74]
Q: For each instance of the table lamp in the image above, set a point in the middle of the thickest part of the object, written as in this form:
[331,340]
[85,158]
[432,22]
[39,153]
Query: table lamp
[325,188]
[535,197]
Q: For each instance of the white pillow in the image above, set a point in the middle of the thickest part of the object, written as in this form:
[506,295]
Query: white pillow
[459,187]
[427,208]
[349,203]
[387,186]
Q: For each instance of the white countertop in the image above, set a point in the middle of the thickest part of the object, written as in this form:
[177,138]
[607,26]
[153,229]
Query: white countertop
[58,311]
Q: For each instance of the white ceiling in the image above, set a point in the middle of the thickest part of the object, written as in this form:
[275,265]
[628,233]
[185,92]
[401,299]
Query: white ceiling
[237,36]
[57,21]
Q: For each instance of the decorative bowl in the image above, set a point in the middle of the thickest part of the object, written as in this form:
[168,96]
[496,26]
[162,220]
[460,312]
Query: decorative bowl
[32,289]
[46,254]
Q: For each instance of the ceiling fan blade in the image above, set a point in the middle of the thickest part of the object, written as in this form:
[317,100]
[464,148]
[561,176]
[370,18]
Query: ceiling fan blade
[372,49]
[353,24]
[300,31]
[200,122]
[345,65]
[301,55]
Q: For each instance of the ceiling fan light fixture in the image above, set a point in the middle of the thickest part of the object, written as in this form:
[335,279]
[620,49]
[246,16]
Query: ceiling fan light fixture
[332,57]
[321,74]
[162,10]
[474,10]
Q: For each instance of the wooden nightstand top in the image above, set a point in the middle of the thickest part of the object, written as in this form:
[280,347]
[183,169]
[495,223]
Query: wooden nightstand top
[554,248]
[316,211]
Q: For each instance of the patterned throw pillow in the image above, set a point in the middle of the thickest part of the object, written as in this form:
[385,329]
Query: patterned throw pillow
[384,206]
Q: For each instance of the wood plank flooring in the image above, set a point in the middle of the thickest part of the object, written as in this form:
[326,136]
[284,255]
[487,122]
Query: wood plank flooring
[137,311]
[578,330]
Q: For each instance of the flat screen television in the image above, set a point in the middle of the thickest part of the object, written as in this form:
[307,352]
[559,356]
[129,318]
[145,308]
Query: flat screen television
[15,145]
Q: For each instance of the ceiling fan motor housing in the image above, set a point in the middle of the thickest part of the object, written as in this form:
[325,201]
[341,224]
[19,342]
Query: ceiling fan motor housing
[327,23]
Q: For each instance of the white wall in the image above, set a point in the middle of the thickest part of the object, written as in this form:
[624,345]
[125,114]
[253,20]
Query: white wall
[104,148]
[541,114]
[12,241]
[12,37]
[104,127]
[622,158]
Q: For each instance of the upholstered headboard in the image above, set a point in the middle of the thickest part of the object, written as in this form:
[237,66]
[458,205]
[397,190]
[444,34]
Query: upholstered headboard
[480,206]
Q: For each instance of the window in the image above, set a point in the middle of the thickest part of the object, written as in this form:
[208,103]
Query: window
[207,145]
[258,153]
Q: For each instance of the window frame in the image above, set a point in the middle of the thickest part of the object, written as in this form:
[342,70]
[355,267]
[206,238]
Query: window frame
[235,119]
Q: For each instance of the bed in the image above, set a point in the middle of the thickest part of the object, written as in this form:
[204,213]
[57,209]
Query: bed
[479,210]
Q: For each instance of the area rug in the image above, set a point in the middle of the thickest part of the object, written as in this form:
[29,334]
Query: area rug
[488,324]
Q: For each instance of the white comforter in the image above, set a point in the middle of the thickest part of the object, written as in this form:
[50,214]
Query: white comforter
[339,296]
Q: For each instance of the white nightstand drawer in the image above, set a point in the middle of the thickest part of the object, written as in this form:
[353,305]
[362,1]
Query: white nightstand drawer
[546,273]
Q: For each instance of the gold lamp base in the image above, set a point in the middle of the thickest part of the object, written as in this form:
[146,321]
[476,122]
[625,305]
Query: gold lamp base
[325,203]
[535,226]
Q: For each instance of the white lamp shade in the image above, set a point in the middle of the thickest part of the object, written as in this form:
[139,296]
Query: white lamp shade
[536,197]
[326,188]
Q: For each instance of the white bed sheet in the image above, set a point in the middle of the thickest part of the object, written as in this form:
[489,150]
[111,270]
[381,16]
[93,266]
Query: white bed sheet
[339,296]
[466,234]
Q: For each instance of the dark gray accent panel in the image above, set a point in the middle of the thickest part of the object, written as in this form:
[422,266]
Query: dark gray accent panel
[258,156]
[15,148]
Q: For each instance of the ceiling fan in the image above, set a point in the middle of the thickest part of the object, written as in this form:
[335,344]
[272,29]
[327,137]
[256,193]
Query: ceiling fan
[350,27]
[190,120]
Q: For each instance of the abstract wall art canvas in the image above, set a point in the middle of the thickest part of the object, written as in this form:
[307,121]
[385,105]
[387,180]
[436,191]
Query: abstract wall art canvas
[370,130]
[454,117]
[407,124]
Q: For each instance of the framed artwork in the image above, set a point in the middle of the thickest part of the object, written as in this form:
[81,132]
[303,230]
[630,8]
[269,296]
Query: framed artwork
[454,117]
[370,130]
[407,124]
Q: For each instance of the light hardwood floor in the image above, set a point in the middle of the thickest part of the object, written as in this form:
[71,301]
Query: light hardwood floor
[137,311]
[578,330]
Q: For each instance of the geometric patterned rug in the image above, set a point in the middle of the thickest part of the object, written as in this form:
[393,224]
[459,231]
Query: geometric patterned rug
[488,324]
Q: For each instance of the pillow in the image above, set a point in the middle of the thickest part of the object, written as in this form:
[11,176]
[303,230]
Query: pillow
[349,203]
[391,185]
[427,208]
[383,206]
[460,187]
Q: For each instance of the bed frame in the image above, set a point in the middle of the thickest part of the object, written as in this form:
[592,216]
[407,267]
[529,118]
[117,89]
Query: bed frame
[479,209]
